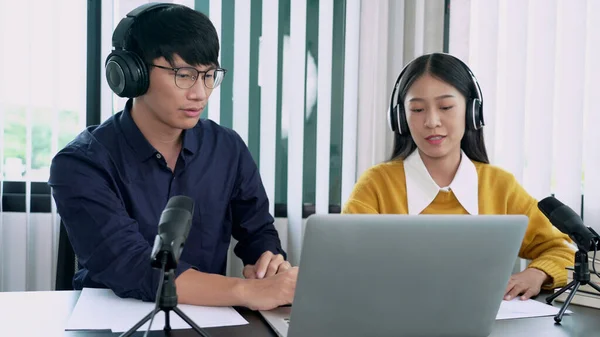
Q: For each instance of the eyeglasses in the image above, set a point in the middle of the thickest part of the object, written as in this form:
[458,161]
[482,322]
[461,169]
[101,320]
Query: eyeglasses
[185,77]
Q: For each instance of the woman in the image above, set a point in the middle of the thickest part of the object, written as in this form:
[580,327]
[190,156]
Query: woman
[440,166]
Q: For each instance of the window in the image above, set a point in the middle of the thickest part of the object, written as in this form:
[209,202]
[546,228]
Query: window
[42,86]
[42,108]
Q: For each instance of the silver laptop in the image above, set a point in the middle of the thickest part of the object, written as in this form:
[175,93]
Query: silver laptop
[400,275]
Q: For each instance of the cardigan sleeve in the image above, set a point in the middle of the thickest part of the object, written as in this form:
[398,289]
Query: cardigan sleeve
[363,198]
[548,248]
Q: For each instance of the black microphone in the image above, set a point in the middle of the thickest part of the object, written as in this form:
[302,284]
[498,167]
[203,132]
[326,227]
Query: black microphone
[173,229]
[567,221]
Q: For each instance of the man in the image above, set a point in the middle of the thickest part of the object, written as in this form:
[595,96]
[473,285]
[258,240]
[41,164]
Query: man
[112,182]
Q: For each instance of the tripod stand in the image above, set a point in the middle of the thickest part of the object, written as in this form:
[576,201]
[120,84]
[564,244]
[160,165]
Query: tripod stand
[581,276]
[167,302]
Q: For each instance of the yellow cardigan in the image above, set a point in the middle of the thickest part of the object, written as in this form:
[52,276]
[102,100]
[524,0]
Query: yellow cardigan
[382,189]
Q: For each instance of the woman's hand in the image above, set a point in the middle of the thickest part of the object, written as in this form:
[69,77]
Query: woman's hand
[527,283]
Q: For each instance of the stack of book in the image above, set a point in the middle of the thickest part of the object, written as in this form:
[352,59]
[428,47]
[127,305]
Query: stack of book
[586,295]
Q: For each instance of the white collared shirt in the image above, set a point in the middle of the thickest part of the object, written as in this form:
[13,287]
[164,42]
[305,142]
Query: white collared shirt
[421,190]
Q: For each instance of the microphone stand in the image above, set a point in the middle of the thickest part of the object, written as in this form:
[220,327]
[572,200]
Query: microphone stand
[581,276]
[167,303]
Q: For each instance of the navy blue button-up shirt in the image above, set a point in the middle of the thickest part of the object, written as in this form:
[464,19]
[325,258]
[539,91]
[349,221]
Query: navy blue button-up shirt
[110,186]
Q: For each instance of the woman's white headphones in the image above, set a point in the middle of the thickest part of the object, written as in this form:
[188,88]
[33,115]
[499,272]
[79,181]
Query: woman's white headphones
[474,114]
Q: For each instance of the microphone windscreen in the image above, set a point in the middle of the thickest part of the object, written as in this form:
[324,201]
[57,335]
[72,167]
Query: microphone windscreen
[173,229]
[567,221]
[549,204]
[181,201]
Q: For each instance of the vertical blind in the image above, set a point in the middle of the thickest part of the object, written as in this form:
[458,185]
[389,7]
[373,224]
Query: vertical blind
[392,33]
[281,97]
[536,61]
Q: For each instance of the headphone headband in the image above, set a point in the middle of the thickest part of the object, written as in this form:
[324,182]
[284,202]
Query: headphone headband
[120,33]
[473,78]
[397,118]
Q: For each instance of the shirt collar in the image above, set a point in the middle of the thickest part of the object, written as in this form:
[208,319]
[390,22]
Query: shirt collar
[140,145]
[190,139]
[421,190]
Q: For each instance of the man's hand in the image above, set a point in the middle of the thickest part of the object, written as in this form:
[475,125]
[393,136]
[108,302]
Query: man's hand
[267,265]
[271,292]
[528,283]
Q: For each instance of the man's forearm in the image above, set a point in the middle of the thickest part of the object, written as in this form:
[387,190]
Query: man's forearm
[197,288]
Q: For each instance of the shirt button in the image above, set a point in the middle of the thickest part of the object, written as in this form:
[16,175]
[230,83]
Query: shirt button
[158,156]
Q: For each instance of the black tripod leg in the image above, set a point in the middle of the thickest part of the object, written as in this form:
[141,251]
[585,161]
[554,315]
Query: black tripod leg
[551,298]
[595,286]
[560,314]
[194,326]
[140,323]
[167,327]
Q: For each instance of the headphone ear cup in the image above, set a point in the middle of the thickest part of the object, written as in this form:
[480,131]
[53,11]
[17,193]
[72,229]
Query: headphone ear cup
[402,122]
[474,114]
[126,73]
[478,110]
[391,119]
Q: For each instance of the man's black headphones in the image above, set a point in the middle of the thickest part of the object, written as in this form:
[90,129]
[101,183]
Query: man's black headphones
[397,116]
[126,72]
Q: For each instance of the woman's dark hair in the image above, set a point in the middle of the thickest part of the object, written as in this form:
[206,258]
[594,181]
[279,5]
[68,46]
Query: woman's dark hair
[174,30]
[450,70]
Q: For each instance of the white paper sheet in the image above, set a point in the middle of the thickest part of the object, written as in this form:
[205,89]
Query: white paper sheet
[101,309]
[516,308]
